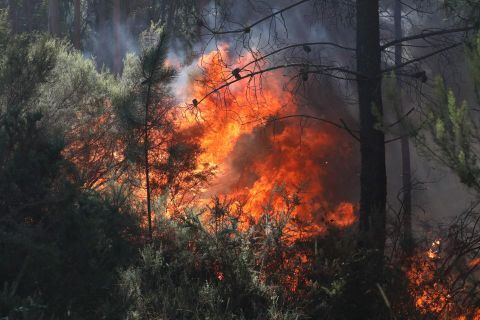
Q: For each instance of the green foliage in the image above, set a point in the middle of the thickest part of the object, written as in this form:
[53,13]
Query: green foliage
[60,245]
[75,91]
[71,252]
[145,94]
[146,112]
[453,132]
[205,270]
[154,54]
[76,101]
[473,55]
[465,11]
[25,62]
[143,103]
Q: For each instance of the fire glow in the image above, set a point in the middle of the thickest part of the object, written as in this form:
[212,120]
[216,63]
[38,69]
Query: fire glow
[431,293]
[260,157]
[263,162]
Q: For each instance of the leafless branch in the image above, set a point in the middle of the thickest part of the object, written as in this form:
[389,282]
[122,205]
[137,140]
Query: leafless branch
[320,69]
[425,35]
[431,54]
[342,126]
[249,27]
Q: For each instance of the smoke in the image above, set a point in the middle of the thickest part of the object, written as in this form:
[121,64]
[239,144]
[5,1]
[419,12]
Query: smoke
[334,99]
[433,183]
[319,96]
[101,44]
[327,171]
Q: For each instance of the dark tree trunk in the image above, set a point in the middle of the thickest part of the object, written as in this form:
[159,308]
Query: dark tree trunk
[171,17]
[54,17]
[77,30]
[372,148]
[29,20]
[365,272]
[146,145]
[117,62]
[102,12]
[13,15]
[407,241]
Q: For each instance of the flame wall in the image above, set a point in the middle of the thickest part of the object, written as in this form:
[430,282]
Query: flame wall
[242,132]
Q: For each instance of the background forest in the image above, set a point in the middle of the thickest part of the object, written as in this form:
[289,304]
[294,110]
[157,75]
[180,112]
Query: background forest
[194,159]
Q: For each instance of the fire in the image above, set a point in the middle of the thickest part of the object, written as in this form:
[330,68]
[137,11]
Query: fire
[432,252]
[476,316]
[431,291]
[268,165]
[474,263]
[220,276]
[294,278]
[94,152]
[261,158]
[430,295]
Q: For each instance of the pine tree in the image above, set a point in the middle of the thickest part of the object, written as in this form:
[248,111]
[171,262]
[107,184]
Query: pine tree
[146,106]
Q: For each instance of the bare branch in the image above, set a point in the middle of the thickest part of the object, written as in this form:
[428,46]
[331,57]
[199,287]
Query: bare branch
[296,46]
[320,69]
[401,118]
[249,27]
[421,58]
[343,125]
[424,35]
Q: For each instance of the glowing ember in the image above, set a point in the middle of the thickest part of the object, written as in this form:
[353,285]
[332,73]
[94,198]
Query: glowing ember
[431,291]
[95,154]
[432,252]
[430,296]
[476,316]
[474,263]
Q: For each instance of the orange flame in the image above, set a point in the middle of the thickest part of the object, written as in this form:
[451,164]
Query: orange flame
[431,293]
[474,263]
[267,164]
[256,152]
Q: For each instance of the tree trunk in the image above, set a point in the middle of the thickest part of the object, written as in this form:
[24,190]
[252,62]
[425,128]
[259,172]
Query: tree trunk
[102,17]
[54,17]
[363,300]
[407,241]
[372,147]
[171,17]
[146,145]
[117,62]
[13,15]
[29,12]
[77,30]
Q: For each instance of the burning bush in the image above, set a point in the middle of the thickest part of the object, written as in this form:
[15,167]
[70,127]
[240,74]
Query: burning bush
[444,278]
[203,266]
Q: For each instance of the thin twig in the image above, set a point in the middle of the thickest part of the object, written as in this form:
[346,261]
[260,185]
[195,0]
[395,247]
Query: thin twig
[248,28]
[424,35]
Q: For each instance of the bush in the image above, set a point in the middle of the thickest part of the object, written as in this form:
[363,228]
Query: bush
[208,270]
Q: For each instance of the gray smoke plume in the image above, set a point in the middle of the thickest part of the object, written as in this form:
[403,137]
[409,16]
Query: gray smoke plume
[336,99]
